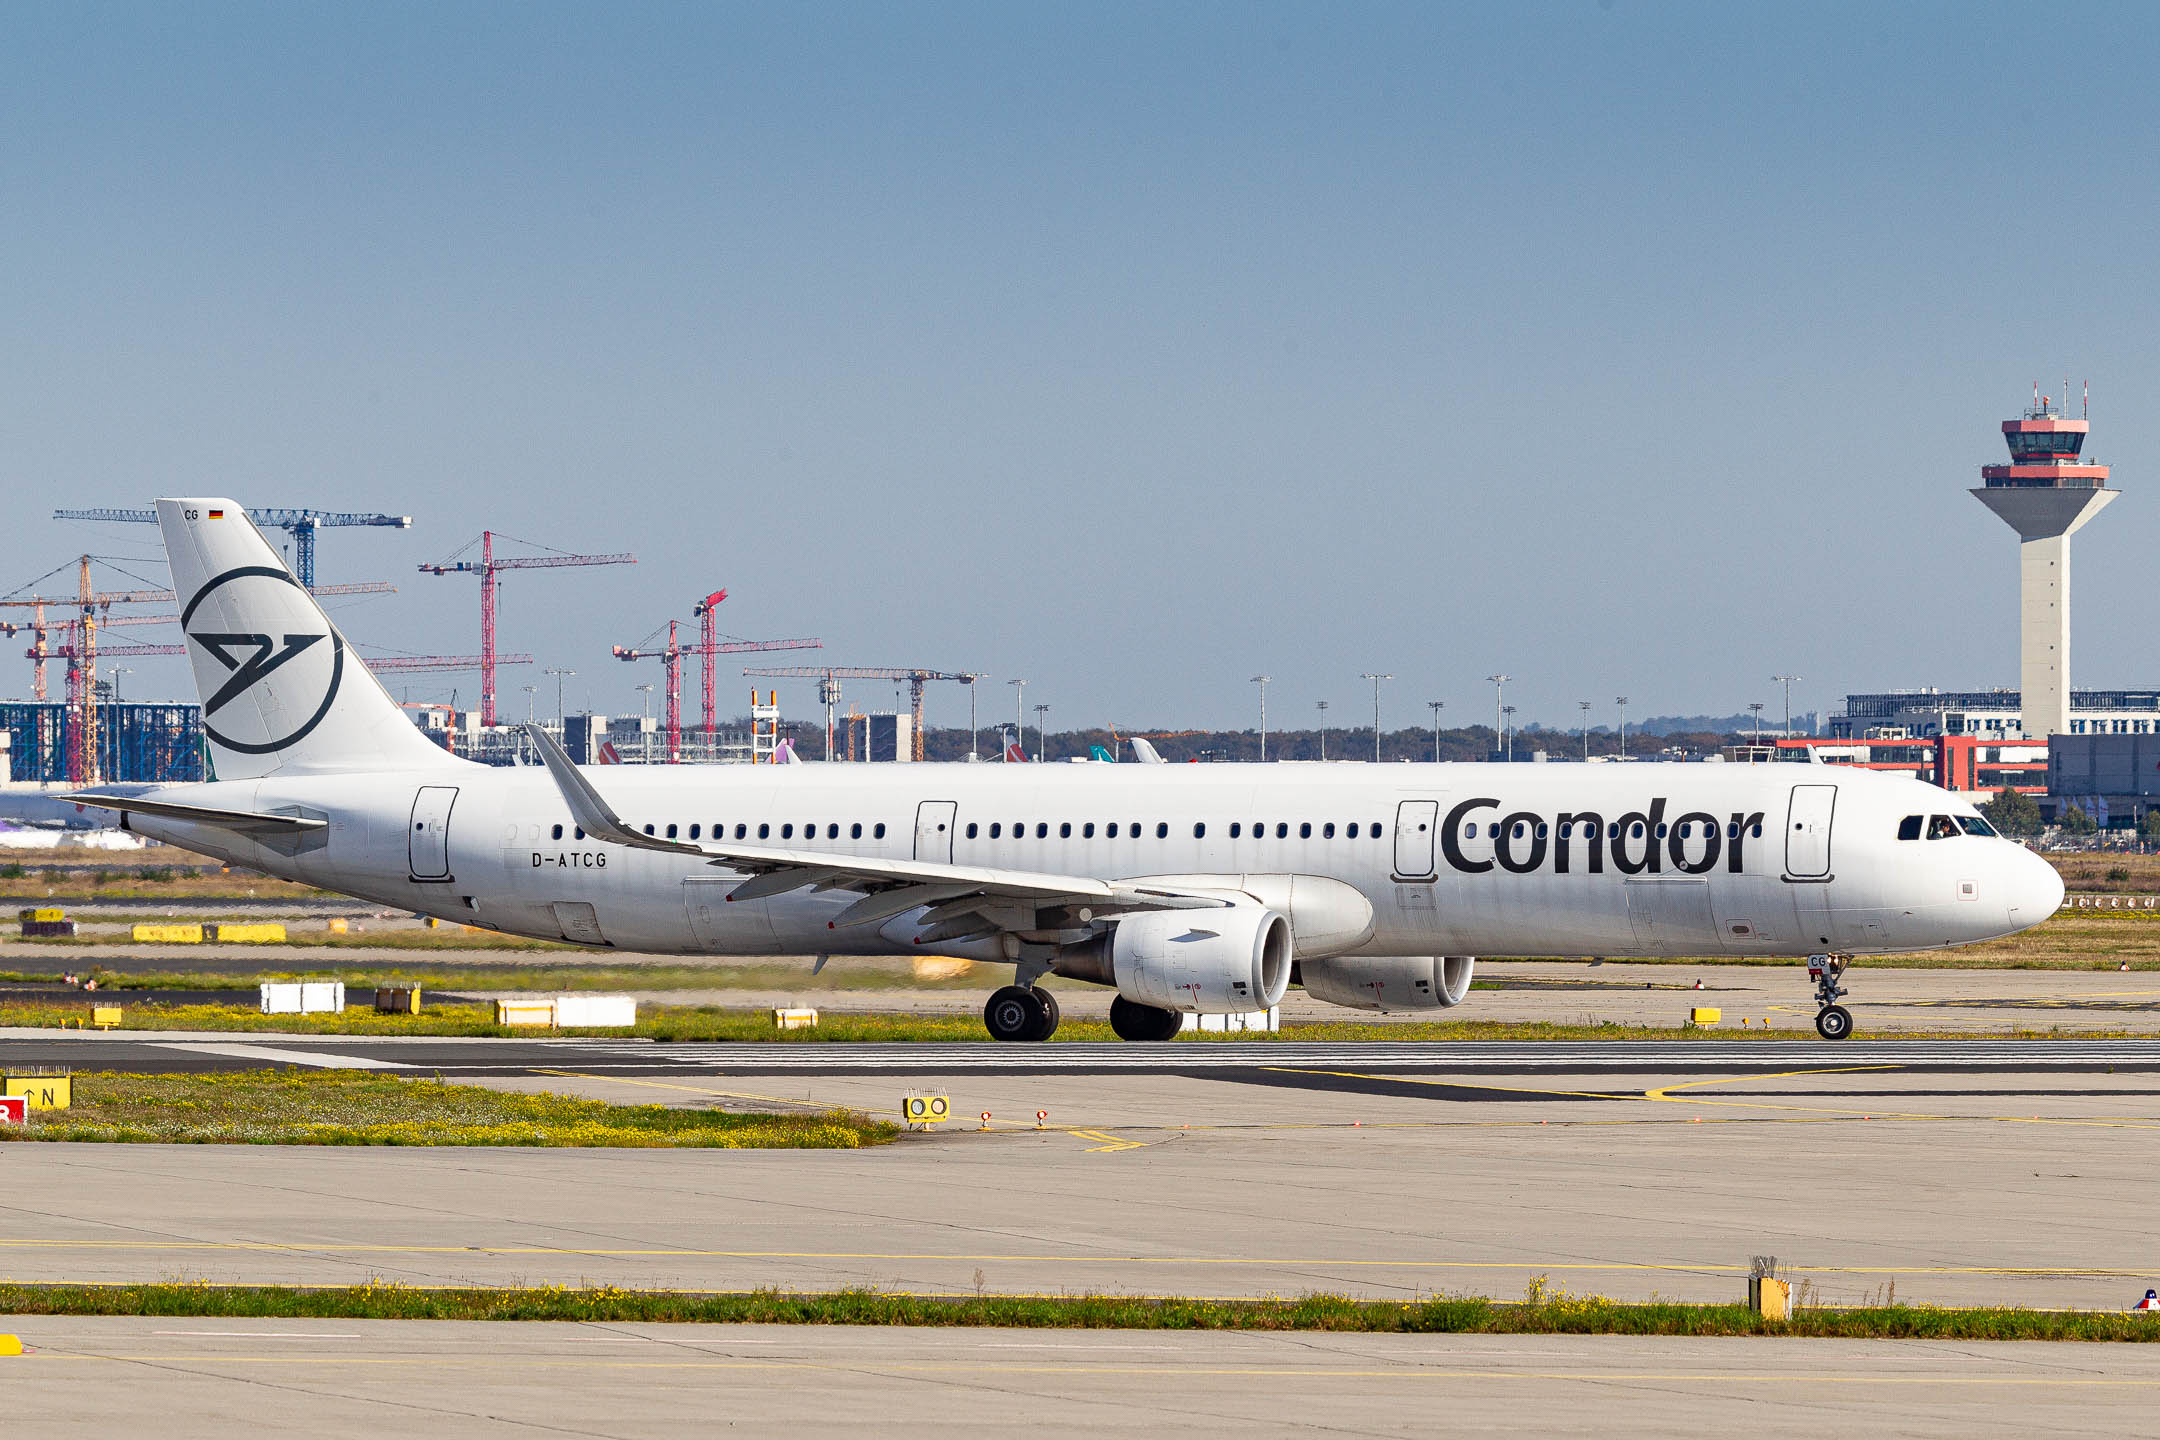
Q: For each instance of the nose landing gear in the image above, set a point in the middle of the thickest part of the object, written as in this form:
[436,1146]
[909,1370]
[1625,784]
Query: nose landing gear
[1833,1021]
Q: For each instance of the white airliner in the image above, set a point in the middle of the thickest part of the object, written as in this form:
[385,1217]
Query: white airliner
[1189,888]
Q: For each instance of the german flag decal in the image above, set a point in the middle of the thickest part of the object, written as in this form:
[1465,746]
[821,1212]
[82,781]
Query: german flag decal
[217,514]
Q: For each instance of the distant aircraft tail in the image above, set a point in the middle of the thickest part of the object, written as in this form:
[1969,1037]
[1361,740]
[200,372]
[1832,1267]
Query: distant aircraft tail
[1146,753]
[281,690]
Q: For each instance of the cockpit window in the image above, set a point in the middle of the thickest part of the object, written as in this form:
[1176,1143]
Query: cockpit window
[1909,827]
[1974,825]
[1942,827]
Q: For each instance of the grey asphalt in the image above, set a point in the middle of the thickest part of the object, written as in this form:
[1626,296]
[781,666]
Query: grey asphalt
[206,1380]
[2025,1186]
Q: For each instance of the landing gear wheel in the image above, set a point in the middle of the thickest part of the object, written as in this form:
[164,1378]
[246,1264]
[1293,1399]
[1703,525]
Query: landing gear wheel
[1834,1022]
[1016,1014]
[1143,1023]
[1049,1005]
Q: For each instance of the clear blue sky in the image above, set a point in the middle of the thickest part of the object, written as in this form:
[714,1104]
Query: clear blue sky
[1129,349]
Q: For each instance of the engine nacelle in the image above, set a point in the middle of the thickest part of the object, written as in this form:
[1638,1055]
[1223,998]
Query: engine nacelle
[1209,962]
[1389,982]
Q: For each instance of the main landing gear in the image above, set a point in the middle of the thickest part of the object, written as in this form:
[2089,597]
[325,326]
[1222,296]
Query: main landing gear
[1833,1021]
[1021,1012]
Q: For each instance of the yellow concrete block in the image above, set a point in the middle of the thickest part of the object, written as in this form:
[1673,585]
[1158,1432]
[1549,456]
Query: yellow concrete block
[105,1017]
[336,925]
[794,1019]
[1770,1298]
[261,933]
[10,1344]
[166,934]
[525,1012]
[43,914]
[42,1092]
[1704,1015]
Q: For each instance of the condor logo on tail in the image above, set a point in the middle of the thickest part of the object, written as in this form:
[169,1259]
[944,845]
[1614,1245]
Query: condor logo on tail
[254,657]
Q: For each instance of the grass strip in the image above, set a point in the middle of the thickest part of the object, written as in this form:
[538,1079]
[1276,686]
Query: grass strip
[344,1107]
[1458,1315]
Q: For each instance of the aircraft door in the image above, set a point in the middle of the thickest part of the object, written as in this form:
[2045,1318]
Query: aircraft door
[1417,827]
[428,838]
[934,820]
[1807,832]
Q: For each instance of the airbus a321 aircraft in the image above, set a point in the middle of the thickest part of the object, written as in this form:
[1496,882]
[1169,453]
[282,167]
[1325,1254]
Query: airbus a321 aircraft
[1188,888]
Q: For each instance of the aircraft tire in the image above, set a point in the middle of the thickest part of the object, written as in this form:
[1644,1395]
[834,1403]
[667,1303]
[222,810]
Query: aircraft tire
[1143,1024]
[1834,1022]
[1016,1014]
[1049,1005]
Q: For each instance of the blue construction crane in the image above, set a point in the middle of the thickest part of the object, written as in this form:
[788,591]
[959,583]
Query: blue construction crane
[300,524]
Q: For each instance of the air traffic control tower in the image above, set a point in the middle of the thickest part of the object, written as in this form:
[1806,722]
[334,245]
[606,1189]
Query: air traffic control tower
[2045,493]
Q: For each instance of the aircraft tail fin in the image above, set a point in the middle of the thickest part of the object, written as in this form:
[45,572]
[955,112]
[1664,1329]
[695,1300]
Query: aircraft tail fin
[282,691]
[1145,753]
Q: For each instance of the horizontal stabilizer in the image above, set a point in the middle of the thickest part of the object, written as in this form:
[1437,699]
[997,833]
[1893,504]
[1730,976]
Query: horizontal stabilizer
[247,820]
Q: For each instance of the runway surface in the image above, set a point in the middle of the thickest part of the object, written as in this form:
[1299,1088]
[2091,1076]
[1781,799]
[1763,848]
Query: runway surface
[193,1050]
[196,1380]
[1953,1172]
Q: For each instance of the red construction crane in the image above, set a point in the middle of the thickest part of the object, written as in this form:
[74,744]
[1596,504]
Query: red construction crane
[486,567]
[709,644]
[437,664]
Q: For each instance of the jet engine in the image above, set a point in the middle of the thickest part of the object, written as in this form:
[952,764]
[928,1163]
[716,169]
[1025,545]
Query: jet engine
[1389,982]
[1203,961]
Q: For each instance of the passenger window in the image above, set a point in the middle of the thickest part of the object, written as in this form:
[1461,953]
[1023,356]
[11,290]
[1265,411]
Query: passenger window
[880,831]
[1236,829]
[1327,831]
[1065,830]
[1942,827]
[648,829]
[1304,830]
[764,830]
[1541,830]
[1282,829]
[1199,830]
[832,831]
[1612,831]
[580,832]
[1162,830]
[1351,833]
[1758,830]
[693,832]
[996,830]
[855,830]
[1909,827]
[1042,829]
[1732,829]
[1375,830]
[787,832]
[1661,830]
[971,830]
[558,832]
[741,830]
[1492,831]
[1517,831]
[1635,831]
[1111,830]
[1469,832]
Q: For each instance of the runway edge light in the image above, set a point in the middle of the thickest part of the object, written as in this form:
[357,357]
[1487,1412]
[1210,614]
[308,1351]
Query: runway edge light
[925,1109]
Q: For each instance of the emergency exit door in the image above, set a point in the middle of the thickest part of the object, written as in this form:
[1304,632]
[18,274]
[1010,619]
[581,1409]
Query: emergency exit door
[1807,832]
[427,839]
[933,830]
[1417,826]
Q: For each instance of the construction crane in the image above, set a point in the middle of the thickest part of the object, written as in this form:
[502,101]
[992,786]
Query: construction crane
[829,678]
[79,648]
[437,664]
[707,646]
[487,567]
[300,524]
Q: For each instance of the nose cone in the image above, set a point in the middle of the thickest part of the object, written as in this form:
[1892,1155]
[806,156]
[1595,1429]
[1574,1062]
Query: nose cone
[2035,889]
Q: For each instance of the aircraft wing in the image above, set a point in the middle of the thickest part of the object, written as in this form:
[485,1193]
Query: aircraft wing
[961,895]
[245,820]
